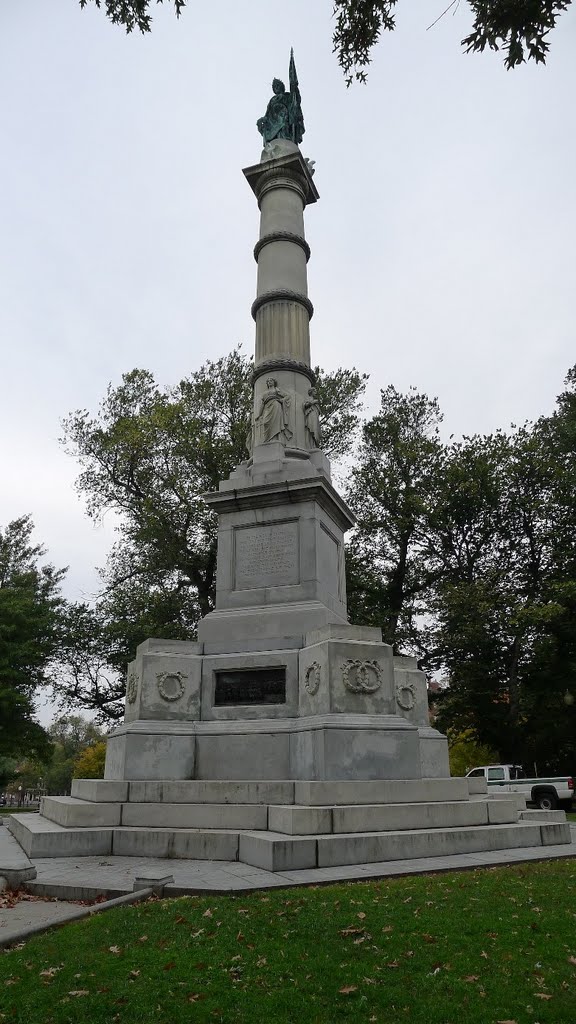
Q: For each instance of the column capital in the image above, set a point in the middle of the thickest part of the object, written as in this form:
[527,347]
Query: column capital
[290,170]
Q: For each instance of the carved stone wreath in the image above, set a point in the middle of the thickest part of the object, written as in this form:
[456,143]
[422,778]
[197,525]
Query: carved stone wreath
[312,678]
[406,695]
[363,670]
[131,688]
[171,685]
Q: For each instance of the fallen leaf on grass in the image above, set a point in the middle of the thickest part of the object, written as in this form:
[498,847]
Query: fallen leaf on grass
[388,928]
[114,949]
[472,977]
[169,966]
[143,938]
[207,913]
[348,989]
[361,915]
[428,938]
[393,963]
[505,1022]
[49,972]
[134,974]
[572,960]
[79,992]
[542,995]
[352,931]
[181,920]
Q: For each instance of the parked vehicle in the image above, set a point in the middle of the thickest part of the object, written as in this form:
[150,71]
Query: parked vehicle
[546,793]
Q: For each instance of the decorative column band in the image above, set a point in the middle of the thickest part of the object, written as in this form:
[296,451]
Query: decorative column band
[293,365]
[282,295]
[282,236]
[282,177]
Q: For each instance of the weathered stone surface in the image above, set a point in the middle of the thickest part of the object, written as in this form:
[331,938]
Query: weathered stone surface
[379,791]
[275,853]
[177,843]
[100,790]
[347,676]
[228,791]
[555,834]
[199,815]
[39,837]
[73,813]
[300,821]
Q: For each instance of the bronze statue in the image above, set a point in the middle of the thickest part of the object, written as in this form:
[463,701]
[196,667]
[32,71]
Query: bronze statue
[283,118]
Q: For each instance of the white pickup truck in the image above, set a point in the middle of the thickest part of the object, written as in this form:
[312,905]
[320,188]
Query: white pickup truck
[546,793]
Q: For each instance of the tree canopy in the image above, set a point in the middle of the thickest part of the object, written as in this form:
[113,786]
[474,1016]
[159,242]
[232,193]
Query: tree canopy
[517,28]
[30,617]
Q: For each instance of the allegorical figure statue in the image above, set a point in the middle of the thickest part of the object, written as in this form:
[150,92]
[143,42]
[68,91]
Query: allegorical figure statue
[283,118]
[271,420]
[311,408]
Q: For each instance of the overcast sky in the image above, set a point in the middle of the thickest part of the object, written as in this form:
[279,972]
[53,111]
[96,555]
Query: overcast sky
[442,247]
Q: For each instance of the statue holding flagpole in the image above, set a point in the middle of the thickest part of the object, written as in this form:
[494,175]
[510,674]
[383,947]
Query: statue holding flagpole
[283,118]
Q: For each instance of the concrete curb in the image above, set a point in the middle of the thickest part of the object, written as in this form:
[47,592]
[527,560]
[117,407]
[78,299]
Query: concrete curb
[76,915]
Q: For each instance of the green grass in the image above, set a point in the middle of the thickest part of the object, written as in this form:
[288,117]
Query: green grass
[466,948]
[571,816]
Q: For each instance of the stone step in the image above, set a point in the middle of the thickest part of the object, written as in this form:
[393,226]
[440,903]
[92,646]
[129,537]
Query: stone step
[275,852]
[198,791]
[182,844]
[295,820]
[380,791]
[209,816]
[74,813]
[100,790]
[40,837]
[543,816]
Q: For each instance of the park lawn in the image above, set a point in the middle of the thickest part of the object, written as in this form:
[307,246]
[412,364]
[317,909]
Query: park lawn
[477,947]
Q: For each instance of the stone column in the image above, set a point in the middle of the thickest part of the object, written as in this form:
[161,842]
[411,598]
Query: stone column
[282,310]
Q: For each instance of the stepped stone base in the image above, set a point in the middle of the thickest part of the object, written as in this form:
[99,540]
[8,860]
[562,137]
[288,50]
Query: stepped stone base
[283,824]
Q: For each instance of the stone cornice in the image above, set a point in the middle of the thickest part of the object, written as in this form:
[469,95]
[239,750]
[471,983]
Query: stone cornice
[281,236]
[267,495]
[282,295]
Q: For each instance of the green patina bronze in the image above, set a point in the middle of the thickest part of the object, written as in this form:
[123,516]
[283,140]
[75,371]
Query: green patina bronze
[283,118]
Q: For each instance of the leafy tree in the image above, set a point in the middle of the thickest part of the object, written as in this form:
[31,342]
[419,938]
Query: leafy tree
[504,604]
[149,456]
[30,615]
[519,28]
[90,763]
[392,491]
[466,753]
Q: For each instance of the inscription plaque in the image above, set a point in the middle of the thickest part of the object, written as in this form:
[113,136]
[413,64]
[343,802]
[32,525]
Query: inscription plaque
[266,556]
[250,686]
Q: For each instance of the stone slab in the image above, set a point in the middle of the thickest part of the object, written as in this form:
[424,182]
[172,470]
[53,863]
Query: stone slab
[73,813]
[39,837]
[199,815]
[380,791]
[364,848]
[397,817]
[218,791]
[175,843]
[338,631]
[477,786]
[100,790]
[501,812]
[554,834]
[15,865]
[544,817]
[277,853]
[302,821]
